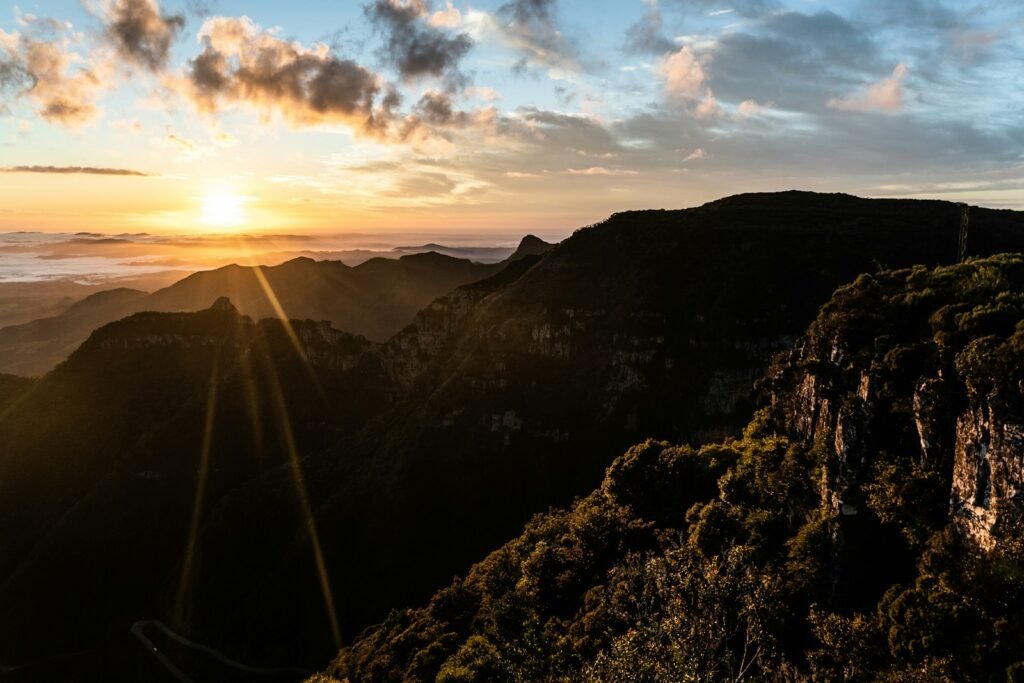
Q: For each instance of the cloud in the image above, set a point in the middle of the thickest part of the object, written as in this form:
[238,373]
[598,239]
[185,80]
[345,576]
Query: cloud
[242,64]
[708,107]
[85,170]
[558,133]
[201,8]
[601,171]
[645,37]
[531,26]
[745,8]
[40,64]
[793,60]
[749,108]
[141,33]
[483,93]
[696,155]
[183,148]
[438,109]
[183,143]
[886,95]
[414,43]
[971,44]
[449,17]
[683,73]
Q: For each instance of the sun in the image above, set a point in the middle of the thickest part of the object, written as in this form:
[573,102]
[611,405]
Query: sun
[223,210]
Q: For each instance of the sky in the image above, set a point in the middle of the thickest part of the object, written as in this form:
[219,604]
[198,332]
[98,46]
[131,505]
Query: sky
[503,116]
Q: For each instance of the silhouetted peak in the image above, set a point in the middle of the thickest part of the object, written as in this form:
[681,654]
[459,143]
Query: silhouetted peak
[531,245]
[223,304]
[430,257]
[299,261]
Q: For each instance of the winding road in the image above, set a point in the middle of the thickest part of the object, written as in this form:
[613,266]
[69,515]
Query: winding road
[139,631]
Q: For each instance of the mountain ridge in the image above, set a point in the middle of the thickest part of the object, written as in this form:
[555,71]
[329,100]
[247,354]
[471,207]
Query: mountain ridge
[504,397]
[846,535]
[375,298]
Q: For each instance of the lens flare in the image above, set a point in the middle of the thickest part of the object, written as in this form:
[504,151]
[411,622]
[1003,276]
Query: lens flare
[181,604]
[223,210]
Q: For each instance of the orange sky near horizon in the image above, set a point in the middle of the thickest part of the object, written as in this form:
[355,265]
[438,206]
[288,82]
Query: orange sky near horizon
[527,116]
[174,205]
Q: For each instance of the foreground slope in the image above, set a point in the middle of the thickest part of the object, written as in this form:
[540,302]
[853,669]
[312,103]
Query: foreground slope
[518,392]
[419,455]
[109,462]
[11,389]
[649,325]
[847,536]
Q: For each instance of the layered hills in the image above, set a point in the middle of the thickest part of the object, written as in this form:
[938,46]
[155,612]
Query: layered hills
[339,477]
[374,299]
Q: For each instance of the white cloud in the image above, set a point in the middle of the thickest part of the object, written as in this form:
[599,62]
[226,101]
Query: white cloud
[683,73]
[449,17]
[886,95]
[600,171]
[483,93]
[749,108]
[708,107]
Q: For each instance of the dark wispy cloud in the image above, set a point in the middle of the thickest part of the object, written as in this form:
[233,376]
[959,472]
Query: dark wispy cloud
[646,36]
[797,61]
[242,64]
[438,109]
[87,170]
[416,47]
[532,27]
[141,33]
[201,8]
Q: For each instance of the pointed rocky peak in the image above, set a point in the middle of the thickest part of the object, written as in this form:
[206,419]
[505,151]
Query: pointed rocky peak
[531,245]
[299,262]
[224,304]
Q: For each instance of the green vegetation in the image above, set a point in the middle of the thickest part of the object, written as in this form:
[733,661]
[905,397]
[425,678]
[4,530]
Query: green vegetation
[728,562]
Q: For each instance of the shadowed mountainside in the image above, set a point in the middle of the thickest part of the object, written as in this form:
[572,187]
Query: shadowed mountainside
[837,540]
[11,389]
[416,456]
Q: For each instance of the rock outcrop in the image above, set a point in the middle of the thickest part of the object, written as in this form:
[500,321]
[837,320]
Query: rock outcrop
[923,369]
[838,539]
[988,474]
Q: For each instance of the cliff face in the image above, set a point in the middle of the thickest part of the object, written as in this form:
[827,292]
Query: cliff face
[924,369]
[408,354]
[988,474]
[866,527]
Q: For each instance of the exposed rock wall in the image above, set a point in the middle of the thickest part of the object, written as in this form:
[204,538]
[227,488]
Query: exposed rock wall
[937,389]
[988,474]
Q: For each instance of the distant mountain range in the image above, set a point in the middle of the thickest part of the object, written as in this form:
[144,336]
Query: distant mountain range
[374,299]
[341,477]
